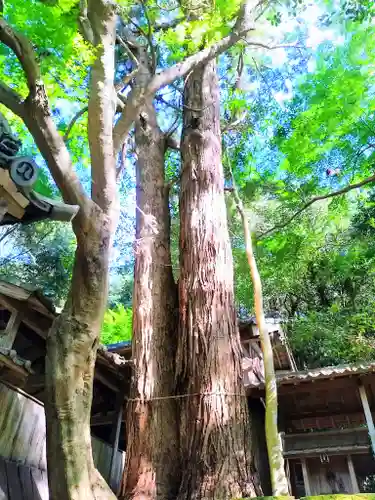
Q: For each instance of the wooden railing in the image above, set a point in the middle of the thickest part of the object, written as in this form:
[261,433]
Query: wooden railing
[326,442]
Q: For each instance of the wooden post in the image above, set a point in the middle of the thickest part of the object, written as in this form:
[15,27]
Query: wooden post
[305,477]
[116,437]
[368,415]
[8,336]
[287,470]
[353,477]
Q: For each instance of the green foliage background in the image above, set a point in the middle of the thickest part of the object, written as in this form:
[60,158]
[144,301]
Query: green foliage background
[317,271]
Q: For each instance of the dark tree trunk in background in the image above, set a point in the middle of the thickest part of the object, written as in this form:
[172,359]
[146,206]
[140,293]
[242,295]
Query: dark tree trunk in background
[215,426]
[152,464]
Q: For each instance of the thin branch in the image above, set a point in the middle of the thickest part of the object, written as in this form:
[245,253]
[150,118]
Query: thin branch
[36,115]
[136,98]
[344,190]
[173,127]
[12,257]
[138,29]
[11,99]
[149,38]
[121,168]
[178,108]
[264,81]
[234,124]
[8,232]
[184,67]
[73,121]
[128,78]
[168,25]
[127,50]
[239,71]
[24,52]
[261,45]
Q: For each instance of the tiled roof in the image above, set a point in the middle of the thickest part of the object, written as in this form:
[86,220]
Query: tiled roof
[15,359]
[114,359]
[34,298]
[328,372]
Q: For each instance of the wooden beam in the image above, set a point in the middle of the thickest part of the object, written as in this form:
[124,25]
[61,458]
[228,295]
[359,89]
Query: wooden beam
[116,436]
[6,361]
[103,419]
[353,477]
[287,471]
[306,481]
[8,336]
[368,415]
[324,385]
[36,322]
[336,450]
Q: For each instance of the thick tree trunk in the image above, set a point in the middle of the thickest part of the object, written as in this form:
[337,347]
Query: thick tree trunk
[215,433]
[71,353]
[152,465]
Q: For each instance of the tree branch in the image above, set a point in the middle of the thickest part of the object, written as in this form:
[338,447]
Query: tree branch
[137,97]
[102,105]
[24,52]
[168,25]
[36,115]
[261,45]
[84,22]
[234,124]
[8,232]
[149,37]
[344,190]
[73,121]
[11,99]
[243,26]
[127,79]
[172,143]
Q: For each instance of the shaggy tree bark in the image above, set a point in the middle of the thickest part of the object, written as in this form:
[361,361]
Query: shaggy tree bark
[152,465]
[279,480]
[215,433]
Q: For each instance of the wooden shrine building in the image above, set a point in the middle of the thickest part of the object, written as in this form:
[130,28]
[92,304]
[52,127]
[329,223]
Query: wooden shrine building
[325,415]
[25,320]
[325,419]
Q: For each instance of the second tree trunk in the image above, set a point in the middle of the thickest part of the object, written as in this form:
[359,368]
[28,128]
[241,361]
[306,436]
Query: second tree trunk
[152,448]
[215,426]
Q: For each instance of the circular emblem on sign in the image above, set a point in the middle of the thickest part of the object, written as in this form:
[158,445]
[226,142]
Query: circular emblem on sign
[24,171]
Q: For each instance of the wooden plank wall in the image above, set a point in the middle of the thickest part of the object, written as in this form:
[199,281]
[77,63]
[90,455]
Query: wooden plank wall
[19,482]
[329,478]
[23,449]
